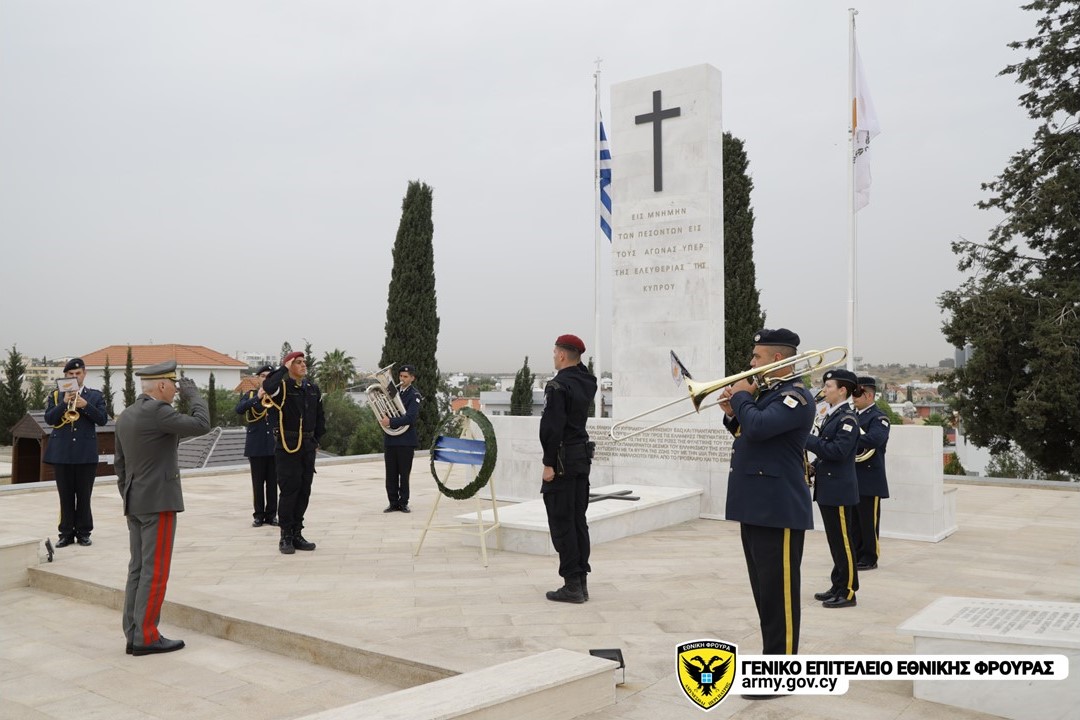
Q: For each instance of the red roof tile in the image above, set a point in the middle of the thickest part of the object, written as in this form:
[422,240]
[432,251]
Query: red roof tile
[143,355]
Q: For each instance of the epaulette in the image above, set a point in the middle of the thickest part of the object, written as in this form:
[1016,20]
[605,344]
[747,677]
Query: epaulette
[797,395]
[554,385]
[798,384]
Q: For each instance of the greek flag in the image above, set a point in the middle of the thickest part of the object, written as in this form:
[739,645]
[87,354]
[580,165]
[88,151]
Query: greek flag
[605,183]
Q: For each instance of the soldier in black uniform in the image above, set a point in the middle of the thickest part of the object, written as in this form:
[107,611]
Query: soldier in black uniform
[836,489]
[567,461]
[767,492]
[873,485]
[259,450]
[398,450]
[301,425]
[73,453]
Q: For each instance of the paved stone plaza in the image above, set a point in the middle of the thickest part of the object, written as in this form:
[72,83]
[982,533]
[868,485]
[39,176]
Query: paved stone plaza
[63,656]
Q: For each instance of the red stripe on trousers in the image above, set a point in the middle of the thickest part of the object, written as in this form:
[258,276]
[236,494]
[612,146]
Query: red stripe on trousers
[162,560]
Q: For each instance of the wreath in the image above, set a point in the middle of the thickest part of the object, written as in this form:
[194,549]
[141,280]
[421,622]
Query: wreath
[452,425]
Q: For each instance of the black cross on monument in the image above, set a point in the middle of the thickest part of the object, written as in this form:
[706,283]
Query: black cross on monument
[655,117]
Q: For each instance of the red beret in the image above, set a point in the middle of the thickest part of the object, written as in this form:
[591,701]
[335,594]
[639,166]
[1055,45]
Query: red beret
[571,342]
[290,356]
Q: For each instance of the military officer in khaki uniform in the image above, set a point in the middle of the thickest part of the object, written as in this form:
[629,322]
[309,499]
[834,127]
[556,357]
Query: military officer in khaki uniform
[148,476]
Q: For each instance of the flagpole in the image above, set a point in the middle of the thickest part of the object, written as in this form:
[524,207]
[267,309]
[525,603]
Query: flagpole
[597,366]
[852,231]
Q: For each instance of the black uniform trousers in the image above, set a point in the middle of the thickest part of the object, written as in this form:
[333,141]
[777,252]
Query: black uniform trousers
[773,561]
[295,472]
[75,483]
[398,459]
[263,487]
[566,500]
[838,525]
[867,529]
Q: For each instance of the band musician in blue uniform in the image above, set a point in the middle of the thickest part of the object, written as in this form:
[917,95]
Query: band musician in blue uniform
[873,485]
[398,450]
[73,452]
[836,489]
[767,493]
[260,422]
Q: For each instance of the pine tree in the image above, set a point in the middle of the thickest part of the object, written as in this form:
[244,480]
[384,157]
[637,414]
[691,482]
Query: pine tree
[742,303]
[211,402]
[412,320]
[312,363]
[12,398]
[286,348]
[106,388]
[1020,308]
[521,396]
[35,397]
[129,380]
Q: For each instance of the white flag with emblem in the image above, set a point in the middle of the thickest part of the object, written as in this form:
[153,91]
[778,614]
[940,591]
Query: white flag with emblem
[864,124]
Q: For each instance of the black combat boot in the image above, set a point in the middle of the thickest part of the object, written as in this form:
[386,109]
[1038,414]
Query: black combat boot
[300,543]
[569,593]
[285,545]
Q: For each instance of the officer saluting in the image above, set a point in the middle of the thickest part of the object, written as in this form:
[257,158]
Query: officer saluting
[259,450]
[767,492]
[73,453]
[836,489]
[301,425]
[874,429]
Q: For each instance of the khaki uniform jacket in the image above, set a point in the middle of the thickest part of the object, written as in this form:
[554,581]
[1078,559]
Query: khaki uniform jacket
[147,468]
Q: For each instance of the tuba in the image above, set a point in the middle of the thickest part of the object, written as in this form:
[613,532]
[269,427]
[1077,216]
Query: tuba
[384,401]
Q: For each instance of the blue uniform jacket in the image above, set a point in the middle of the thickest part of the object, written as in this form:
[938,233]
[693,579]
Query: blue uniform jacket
[767,482]
[875,434]
[260,423]
[834,481]
[410,399]
[74,443]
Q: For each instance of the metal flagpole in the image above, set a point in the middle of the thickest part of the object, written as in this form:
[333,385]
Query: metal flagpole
[852,232]
[597,366]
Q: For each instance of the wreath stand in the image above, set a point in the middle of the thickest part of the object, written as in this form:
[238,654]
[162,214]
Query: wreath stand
[470,453]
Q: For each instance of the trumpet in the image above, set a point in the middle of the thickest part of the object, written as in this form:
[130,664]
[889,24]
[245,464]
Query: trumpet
[793,366]
[71,414]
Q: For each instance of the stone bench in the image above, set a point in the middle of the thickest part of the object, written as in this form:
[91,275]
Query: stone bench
[553,685]
[524,527]
[978,626]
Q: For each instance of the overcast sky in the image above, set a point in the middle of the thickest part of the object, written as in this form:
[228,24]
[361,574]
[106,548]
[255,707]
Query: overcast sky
[230,173]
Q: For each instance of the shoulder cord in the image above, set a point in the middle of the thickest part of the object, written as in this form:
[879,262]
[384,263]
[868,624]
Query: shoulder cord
[253,415]
[281,424]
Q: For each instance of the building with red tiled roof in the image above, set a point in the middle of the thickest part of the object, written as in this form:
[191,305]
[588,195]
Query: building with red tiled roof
[194,361]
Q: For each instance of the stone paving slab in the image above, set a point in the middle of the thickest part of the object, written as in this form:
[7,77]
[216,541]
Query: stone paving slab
[364,588]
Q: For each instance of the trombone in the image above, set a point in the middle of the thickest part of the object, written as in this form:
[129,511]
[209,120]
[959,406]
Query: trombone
[795,366]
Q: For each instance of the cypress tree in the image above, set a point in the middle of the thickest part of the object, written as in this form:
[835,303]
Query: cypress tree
[12,398]
[129,380]
[312,363]
[211,402]
[742,303]
[286,348]
[106,388]
[521,397]
[412,320]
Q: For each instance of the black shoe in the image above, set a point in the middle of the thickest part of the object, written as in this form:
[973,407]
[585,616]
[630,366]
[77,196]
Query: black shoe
[404,508]
[285,545]
[392,507]
[866,566]
[65,541]
[129,649]
[585,587]
[300,543]
[822,597]
[568,593]
[273,521]
[85,541]
[161,645]
[257,522]
[839,601]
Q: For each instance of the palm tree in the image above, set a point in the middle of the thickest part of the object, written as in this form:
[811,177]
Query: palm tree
[336,371]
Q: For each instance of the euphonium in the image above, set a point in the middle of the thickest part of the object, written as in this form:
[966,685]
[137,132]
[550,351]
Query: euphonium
[384,400]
